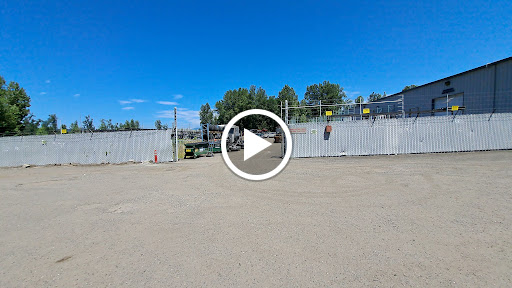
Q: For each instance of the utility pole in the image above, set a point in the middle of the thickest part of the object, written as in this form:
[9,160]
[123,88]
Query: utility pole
[283,136]
[175,158]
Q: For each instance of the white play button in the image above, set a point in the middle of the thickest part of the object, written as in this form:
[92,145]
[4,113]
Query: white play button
[253,144]
[265,165]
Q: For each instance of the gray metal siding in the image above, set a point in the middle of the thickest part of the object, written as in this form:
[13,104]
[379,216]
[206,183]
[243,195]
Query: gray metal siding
[96,148]
[475,85]
[504,87]
[405,135]
[478,87]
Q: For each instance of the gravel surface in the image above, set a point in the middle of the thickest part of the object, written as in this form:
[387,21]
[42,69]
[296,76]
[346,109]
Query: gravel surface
[409,220]
[263,162]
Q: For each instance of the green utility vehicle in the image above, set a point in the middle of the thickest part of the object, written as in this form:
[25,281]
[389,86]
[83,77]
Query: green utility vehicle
[197,149]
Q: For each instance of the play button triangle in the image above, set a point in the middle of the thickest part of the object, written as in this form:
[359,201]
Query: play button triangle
[253,144]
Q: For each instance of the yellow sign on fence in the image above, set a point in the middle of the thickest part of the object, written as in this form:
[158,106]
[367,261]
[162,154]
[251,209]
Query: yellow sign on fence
[455,108]
[328,113]
[63,131]
[366,111]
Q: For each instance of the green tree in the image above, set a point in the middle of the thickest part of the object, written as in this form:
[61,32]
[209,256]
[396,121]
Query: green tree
[74,128]
[110,126]
[260,102]
[7,116]
[302,113]
[359,99]
[409,87]
[130,125]
[234,102]
[48,126]
[260,99]
[303,118]
[103,125]
[241,99]
[14,104]
[328,93]
[125,125]
[288,93]
[88,123]
[273,105]
[158,125]
[52,123]
[134,124]
[374,97]
[30,125]
[206,114]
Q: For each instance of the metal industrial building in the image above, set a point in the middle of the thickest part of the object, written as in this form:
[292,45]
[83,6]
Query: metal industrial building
[486,89]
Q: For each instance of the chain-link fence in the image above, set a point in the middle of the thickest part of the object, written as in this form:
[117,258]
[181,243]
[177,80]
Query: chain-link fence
[466,112]
[88,148]
[400,106]
[322,111]
[374,136]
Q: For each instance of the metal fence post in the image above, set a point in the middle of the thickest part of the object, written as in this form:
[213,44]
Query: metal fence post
[283,141]
[286,111]
[446,104]
[403,107]
[202,132]
[176,147]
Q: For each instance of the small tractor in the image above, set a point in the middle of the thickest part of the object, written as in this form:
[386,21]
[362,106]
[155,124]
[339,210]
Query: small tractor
[211,143]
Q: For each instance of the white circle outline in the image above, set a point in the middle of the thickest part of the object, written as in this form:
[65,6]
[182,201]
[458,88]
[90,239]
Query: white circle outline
[257,177]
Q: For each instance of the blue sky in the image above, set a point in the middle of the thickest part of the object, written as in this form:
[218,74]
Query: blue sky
[123,60]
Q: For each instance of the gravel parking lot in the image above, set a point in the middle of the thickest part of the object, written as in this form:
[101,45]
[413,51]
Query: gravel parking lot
[261,163]
[408,220]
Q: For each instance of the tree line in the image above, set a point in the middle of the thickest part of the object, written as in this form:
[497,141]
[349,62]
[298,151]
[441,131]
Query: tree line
[241,99]
[16,119]
[105,125]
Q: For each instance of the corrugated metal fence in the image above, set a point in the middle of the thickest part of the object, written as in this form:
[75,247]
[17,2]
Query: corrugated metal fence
[403,135]
[87,148]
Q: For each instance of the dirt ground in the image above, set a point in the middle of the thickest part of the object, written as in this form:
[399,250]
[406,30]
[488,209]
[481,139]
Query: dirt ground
[261,163]
[410,220]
